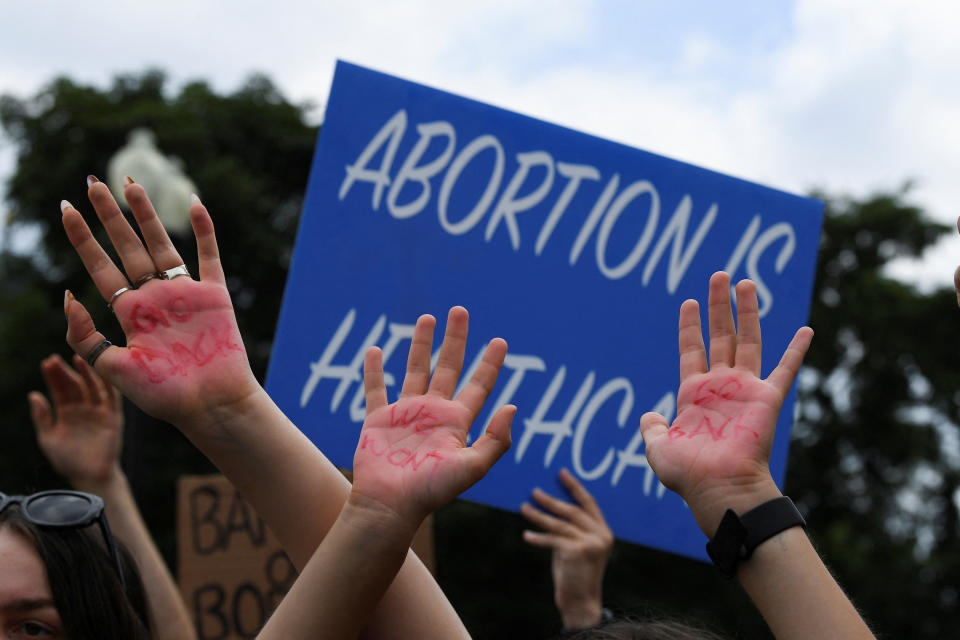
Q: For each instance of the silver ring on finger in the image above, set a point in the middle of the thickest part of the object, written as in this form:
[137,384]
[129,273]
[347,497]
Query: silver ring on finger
[116,294]
[170,274]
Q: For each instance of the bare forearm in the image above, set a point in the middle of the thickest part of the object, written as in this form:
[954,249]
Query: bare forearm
[795,592]
[169,618]
[299,494]
[286,479]
[342,583]
[585,614]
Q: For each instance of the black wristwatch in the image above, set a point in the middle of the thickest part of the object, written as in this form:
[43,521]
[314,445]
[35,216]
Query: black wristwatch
[737,536]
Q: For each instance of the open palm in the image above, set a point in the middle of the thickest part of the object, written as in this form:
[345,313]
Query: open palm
[412,456]
[721,438]
[184,352]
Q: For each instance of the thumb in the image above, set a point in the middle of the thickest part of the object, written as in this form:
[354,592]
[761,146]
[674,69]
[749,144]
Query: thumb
[653,426]
[83,337]
[495,441]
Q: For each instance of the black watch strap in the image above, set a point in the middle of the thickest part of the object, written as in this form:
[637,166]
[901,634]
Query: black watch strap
[737,536]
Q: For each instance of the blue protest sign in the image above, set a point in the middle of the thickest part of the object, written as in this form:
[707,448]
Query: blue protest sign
[578,251]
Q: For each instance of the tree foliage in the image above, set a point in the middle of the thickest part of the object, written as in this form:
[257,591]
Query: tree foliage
[875,458]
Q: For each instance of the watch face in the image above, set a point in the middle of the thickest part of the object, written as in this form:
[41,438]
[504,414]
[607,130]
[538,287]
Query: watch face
[726,548]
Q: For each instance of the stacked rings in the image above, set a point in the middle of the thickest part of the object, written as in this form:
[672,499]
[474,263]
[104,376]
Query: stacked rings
[167,274]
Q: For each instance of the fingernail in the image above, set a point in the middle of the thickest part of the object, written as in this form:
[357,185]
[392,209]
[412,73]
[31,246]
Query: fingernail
[128,180]
[91,180]
[194,199]
[64,204]
[67,299]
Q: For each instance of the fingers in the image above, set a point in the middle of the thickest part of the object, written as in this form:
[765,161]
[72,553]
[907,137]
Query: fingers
[136,261]
[96,387]
[207,252]
[373,385]
[476,391]
[495,441]
[40,412]
[418,360]
[782,377]
[83,337]
[556,506]
[653,426]
[98,264]
[580,494]
[563,518]
[445,376]
[164,255]
[546,540]
[693,353]
[557,526]
[749,347]
[723,338]
[65,385]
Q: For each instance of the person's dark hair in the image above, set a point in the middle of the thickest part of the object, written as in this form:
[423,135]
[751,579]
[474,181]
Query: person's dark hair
[633,629]
[86,589]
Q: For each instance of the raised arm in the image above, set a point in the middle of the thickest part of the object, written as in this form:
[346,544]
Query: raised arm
[81,437]
[716,456]
[185,363]
[581,542]
[411,459]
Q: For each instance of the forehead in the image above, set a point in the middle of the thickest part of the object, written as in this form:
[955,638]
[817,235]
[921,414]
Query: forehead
[22,572]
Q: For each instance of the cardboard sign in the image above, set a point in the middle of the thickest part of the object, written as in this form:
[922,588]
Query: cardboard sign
[233,572]
[578,251]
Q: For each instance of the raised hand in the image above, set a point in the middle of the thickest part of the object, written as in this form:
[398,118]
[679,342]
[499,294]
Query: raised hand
[411,459]
[412,456]
[581,542]
[82,435]
[184,356]
[716,454]
[82,438]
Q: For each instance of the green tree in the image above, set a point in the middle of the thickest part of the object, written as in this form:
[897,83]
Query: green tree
[875,455]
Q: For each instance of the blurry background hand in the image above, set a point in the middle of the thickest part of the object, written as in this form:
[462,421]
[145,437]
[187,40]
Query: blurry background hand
[581,542]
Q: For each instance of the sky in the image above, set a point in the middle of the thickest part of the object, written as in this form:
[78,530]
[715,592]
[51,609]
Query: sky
[849,96]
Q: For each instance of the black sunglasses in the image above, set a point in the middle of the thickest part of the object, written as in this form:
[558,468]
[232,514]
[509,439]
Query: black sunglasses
[63,509]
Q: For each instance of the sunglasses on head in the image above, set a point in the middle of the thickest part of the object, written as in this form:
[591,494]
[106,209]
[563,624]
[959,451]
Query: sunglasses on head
[63,509]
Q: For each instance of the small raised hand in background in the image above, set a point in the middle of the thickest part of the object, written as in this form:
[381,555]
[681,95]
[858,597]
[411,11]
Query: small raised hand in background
[81,435]
[581,541]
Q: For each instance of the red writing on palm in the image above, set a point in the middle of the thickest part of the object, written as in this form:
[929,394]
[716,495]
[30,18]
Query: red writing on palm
[184,348]
[725,421]
[408,454]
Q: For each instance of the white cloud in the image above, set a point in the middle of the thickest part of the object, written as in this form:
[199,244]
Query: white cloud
[849,95]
